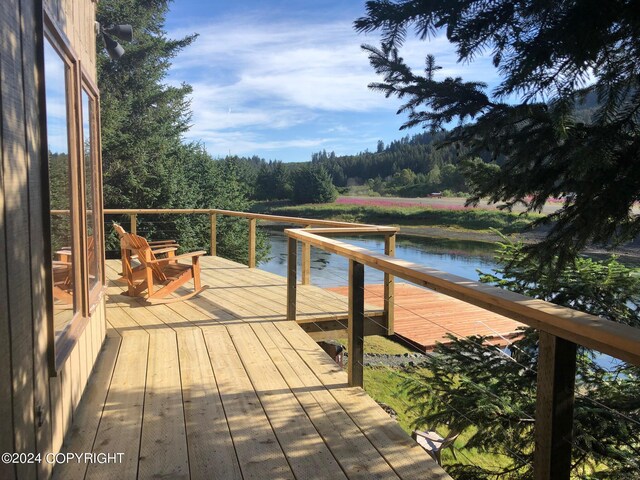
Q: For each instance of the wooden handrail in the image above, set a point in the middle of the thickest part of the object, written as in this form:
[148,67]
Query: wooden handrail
[326,227]
[230,213]
[615,339]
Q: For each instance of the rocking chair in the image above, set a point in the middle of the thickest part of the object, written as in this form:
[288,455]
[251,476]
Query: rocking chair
[166,273]
[165,247]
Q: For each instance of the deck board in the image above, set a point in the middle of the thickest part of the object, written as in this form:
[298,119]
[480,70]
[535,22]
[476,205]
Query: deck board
[423,317]
[223,386]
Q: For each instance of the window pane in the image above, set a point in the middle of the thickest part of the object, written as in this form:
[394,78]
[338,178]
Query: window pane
[90,196]
[56,74]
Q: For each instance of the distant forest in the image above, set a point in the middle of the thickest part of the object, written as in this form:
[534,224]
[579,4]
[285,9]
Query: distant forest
[414,165]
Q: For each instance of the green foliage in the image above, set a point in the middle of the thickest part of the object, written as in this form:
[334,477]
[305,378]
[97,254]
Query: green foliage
[273,182]
[473,385]
[60,198]
[420,154]
[146,164]
[553,56]
[605,288]
[312,184]
[469,219]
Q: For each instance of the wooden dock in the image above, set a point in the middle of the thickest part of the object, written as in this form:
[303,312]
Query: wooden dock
[424,317]
[222,386]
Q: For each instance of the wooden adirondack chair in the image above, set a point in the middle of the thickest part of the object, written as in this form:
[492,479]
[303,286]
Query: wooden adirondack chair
[62,284]
[165,247]
[166,273]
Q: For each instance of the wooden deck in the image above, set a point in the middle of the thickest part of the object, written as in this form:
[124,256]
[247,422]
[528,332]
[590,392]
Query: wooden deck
[222,386]
[424,317]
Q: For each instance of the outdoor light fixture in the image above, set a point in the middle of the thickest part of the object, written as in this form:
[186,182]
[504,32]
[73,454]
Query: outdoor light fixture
[123,32]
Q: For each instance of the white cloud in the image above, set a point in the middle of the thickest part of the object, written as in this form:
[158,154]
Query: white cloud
[252,76]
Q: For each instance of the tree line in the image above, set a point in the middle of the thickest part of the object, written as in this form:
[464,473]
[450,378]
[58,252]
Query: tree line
[411,166]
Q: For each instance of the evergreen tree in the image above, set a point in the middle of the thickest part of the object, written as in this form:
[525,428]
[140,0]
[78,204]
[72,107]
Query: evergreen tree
[476,387]
[272,182]
[142,118]
[553,55]
[146,163]
[312,184]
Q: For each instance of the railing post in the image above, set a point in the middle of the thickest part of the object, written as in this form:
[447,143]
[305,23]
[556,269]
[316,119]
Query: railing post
[554,408]
[134,223]
[292,278]
[389,285]
[356,324]
[306,262]
[214,240]
[252,243]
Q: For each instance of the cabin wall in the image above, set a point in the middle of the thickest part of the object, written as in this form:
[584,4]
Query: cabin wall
[76,18]
[36,405]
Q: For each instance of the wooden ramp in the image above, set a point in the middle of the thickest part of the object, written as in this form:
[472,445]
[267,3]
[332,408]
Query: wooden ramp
[424,317]
[221,386]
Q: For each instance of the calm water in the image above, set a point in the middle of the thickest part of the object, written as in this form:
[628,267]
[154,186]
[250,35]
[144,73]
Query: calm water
[328,270]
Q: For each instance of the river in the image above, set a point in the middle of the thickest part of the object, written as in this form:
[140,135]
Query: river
[461,258]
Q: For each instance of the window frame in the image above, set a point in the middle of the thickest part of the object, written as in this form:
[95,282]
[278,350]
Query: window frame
[87,85]
[86,301]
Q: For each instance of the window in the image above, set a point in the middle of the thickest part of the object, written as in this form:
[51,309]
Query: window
[58,77]
[75,193]
[91,190]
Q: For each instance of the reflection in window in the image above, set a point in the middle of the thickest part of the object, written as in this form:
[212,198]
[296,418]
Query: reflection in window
[56,74]
[88,115]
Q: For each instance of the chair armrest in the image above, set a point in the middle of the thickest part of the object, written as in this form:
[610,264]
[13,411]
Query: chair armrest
[164,250]
[60,263]
[179,257]
[161,242]
[429,435]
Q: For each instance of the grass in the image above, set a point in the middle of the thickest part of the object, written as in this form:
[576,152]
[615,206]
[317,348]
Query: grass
[469,219]
[378,344]
[383,384]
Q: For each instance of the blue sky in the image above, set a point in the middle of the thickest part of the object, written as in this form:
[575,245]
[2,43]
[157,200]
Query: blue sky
[284,79]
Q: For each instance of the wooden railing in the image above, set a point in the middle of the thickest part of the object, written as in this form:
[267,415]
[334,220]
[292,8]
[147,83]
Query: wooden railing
[252,219]
[327,227]
[560,330]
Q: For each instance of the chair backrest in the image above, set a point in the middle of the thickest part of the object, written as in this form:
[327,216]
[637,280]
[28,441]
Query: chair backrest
[140,247]
[119,230]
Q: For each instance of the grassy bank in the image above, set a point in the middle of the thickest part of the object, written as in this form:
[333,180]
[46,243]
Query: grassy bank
[469,219]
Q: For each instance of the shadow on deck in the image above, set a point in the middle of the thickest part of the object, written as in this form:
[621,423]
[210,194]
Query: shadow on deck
[222,386]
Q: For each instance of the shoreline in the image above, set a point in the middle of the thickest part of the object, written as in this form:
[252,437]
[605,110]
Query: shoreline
[630,251]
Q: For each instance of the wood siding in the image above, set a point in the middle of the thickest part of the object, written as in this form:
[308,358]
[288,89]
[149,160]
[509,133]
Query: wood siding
[36,409]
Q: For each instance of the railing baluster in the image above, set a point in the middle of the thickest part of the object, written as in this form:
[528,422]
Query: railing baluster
[554,408]
[306,262]
[356,324]
[214,234]
[389,285]
[292,278]
[252,242]
[134,223]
